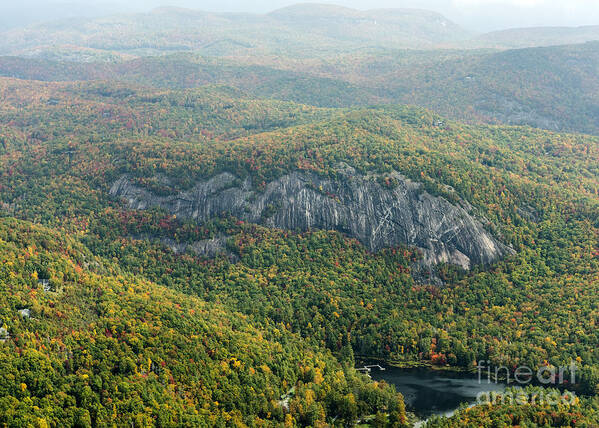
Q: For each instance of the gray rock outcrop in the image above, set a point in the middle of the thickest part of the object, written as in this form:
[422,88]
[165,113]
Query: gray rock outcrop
[360,206]
[4,334]
[206,247]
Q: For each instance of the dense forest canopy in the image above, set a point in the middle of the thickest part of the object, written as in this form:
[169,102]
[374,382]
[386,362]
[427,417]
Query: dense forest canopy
[117,311]
[318,296]
[552,88]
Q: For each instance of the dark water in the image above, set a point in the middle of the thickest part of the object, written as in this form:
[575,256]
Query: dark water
[428,392]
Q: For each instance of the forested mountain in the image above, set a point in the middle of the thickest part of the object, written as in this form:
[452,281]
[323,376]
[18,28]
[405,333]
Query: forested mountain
[379,27]
[301,31]
[181,71]
[100,347]
[204,223]
[541,36]
[555,88]
[316,296]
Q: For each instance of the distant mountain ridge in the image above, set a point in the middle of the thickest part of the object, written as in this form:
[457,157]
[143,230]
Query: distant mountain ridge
[333,29]
[301,30]
[306,30]
[554,88]
[539,36]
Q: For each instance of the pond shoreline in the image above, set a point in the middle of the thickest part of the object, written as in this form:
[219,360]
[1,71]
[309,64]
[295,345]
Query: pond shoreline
[361,361]
[429,393]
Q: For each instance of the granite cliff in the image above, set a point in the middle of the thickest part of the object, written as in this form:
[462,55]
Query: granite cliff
[361,206]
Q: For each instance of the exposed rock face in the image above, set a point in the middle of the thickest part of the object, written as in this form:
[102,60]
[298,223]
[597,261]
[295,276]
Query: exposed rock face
[206,247]
[4,335]
[377,215]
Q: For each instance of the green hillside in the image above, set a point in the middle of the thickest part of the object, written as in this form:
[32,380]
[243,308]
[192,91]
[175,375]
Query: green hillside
[134,332]
[101,347]
[552,88]
[501,171]
[231,219]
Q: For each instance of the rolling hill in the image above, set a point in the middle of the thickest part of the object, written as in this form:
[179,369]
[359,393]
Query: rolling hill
[331,29]
[299,31]
[528,187]
[203,223]
[379,27]
[156,313]
[552,88]
[540,36]
[99,347]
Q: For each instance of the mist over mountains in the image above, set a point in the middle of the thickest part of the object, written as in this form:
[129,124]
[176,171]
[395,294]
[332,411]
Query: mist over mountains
[480,16]
[304,30]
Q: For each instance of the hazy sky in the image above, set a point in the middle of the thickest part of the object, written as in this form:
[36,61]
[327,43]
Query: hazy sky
[482,15]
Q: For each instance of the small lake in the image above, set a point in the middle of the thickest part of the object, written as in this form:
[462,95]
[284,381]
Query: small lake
[429,393]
